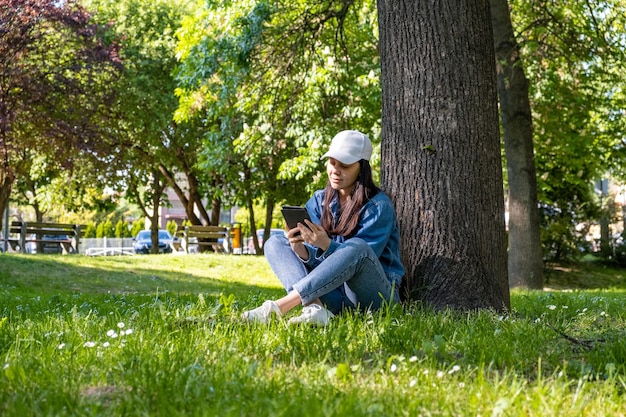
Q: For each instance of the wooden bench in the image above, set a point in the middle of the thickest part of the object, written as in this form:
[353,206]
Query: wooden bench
[203,236]
[66,236]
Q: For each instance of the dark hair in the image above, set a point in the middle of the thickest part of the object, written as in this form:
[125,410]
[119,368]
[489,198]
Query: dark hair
[348,221]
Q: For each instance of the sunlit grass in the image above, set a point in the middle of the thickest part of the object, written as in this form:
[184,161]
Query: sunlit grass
[161,336]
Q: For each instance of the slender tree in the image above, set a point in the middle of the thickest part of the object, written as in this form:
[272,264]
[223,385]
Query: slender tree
[441,150]
[525,257]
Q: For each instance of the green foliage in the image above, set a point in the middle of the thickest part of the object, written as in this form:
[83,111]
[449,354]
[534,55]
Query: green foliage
[100,233]
[171,227]
[122,229]
[573,53]
[108,229]
[271,119]
[561,236]
[53,103]
[171,325]
[90,231]
[151,148]
[105,229]
[137,226]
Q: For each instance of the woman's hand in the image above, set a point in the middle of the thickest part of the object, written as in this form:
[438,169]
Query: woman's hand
[310,233]
[297,243]
[314,234]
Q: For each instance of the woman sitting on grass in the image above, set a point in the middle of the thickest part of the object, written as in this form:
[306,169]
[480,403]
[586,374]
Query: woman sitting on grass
[349,255]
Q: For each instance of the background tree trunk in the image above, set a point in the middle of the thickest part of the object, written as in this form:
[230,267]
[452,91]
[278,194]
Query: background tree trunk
[157,187]
[6,185]
[441,150]
[525,254]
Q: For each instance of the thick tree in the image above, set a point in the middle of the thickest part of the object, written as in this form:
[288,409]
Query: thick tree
[440,149]
[53,76]
[525,257]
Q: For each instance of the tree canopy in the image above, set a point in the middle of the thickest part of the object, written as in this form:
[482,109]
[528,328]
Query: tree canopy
[573,52]
[275,81]
[242,97]
[54,73]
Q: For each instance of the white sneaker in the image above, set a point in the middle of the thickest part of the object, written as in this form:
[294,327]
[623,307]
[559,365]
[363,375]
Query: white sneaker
[313,314]
[262,314]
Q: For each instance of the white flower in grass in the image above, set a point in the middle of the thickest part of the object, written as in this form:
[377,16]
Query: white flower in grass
[440,374]
[538,320]
[6,366]
[413,359]
[120,325]
[551,307]
[603,314]
[393,367]
[126,332]
[461,384]
[564,307]
[89,344]
[61,346]
[106,344]
[425,371]
[455,368]
[112,334]
[412,383]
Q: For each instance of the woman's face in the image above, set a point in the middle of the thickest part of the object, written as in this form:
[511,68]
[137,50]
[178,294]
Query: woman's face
[342,177]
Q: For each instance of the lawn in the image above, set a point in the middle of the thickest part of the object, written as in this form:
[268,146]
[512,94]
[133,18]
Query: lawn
[160,335]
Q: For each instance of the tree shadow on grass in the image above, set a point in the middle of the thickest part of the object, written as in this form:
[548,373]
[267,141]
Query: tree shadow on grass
[584,276]
[207,274]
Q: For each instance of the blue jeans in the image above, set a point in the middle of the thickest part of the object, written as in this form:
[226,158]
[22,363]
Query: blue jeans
[353,263]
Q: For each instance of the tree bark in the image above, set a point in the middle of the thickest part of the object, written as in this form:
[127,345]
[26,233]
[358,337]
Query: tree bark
[158,187]
[216,211]
[7,180]
[525,261]
[440,150]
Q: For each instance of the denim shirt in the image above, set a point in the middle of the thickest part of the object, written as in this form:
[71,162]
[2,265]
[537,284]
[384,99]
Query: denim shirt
[377,226]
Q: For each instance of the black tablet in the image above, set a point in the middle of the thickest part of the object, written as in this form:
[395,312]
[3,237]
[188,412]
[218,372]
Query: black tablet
[294,215]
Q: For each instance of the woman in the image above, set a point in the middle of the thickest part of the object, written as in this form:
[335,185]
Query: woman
[349,255]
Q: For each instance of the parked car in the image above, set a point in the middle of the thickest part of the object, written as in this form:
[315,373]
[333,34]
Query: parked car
[143,242]
[259,234]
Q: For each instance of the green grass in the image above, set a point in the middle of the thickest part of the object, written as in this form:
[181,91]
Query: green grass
[160,336]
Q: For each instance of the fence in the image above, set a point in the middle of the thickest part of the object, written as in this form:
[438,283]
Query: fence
[106,246]
[116,246]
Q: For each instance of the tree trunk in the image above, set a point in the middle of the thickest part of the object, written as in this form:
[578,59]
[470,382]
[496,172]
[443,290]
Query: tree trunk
[441,150]
[525,253]
[269,216]
[6,185]
[252,220]
[194,201]
[216,211]
[158,188]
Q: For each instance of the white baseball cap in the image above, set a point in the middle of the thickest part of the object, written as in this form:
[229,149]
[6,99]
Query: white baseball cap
[350,146]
